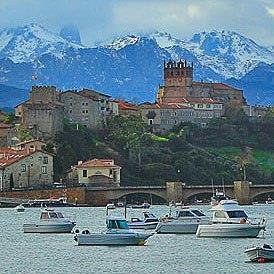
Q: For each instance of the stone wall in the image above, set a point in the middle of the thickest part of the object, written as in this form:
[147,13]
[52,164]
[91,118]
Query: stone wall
[72,194]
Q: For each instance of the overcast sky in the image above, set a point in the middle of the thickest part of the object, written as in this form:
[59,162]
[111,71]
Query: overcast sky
[101,20]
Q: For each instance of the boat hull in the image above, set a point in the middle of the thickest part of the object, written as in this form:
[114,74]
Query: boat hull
[177,228]
[48,228]
[229,230]
[256,253]
[141,225]
[111,239]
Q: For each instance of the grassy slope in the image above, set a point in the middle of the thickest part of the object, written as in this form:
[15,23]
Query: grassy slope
[265,159]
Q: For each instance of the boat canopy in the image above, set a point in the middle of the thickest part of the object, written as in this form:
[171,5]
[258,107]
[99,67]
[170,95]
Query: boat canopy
[50,214]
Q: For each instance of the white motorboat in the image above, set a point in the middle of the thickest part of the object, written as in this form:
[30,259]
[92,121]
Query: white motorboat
[20,208]
[143,205]
[117,233]
[231,221]
[260,254]
[50,222]
[186,221]
[111,206]
[149,222]
[269,201]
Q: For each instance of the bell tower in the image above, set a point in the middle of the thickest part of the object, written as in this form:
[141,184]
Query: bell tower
[178,74]
[178,78]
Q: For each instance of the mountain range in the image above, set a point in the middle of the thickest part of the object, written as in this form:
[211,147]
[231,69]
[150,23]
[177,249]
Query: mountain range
[130,67]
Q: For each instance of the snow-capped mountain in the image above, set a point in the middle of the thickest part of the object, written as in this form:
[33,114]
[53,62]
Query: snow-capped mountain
[131,67]
[27,43]
[226,52]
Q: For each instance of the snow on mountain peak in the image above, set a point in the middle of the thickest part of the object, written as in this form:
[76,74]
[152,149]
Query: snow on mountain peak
[123,42]
[26,43]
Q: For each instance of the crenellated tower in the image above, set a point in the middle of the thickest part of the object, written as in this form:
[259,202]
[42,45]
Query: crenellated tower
[178,74]
[178,77]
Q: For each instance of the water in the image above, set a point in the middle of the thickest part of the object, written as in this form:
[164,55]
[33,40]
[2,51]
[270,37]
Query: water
[38,253]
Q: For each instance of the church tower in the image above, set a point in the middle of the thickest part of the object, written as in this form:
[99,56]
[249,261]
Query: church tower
[178,77]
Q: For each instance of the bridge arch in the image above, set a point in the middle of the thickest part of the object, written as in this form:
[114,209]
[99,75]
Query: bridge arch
[148,195]
[263,194]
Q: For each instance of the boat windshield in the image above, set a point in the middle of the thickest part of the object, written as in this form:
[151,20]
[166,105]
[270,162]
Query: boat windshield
[117,224]
[236,214]
[185,214]
[53,215]
[198,213]
[60,215]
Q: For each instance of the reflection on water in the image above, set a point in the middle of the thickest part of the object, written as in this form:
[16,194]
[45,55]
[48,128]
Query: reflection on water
[36,253]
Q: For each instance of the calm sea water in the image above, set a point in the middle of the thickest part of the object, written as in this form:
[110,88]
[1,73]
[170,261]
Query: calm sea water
[35,253]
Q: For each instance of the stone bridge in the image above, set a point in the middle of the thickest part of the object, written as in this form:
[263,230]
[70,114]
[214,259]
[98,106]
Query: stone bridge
[244,192]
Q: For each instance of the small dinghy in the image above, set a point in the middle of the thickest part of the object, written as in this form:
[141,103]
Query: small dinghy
[20,208]
[149,222]
[50,222]
[260,254]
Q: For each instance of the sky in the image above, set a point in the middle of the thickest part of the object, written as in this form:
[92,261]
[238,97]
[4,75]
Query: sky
[103,20]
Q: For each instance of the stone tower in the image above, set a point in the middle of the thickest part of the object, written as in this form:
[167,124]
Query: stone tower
[178,74]
[178,77]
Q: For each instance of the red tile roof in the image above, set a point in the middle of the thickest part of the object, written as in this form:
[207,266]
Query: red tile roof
[166,106]
[215,85]
[127,106]
[10,156]
[200,100]
[97,163]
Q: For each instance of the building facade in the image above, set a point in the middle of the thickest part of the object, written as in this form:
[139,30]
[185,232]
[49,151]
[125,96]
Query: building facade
[43,114]
[25,169]
[98,172]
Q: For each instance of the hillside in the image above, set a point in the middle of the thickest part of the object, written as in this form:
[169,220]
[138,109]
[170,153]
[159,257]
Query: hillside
[188,153]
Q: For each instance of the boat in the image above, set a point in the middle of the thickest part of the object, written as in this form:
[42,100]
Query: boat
[149,222]
[186,221]
[111,206]
[20,208]
[217,197]
[51,221]
[51,202]
[269,201]
[143,205]
[260,254]
[117,233]
[231,221]
[120,204]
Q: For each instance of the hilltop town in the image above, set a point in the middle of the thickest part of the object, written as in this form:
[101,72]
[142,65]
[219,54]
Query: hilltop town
[85,137]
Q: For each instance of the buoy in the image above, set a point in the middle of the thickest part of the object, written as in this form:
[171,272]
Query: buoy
[261,260]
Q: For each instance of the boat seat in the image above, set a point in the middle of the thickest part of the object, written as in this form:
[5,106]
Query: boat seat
[267,246]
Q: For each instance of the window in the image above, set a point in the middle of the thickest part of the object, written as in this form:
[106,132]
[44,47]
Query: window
[86,111]
[207,105]
[110,172]
[85,173]
[70,104]
[23,167]
[150,121]
[200,105]
[44,169]
[236,214]
[198,213]
[185,214]
[220,214]
[45,160]
[86,104]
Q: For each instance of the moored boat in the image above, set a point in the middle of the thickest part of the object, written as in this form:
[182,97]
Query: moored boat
[51,202]
[263,253]
[231,221]
[20,208]
[149,222]
[117,233]
[50,222]
[186,221]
